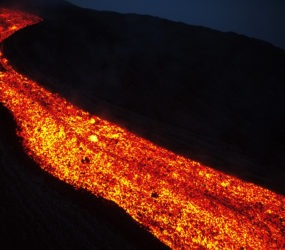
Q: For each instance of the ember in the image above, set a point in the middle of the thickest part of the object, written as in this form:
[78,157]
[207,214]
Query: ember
[184,204]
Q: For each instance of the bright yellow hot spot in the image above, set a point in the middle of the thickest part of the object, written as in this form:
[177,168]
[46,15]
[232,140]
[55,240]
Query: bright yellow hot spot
[14,27]
[183,203]
[93,138]
[92,121]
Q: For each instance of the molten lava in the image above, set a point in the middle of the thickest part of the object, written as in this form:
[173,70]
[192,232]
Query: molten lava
[182,203]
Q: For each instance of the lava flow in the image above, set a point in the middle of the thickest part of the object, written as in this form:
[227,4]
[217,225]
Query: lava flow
[182,203]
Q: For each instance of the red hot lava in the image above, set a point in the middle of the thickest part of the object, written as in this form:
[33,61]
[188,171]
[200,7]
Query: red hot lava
[184,204]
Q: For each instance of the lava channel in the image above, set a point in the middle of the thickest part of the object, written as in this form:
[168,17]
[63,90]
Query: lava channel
[181,202]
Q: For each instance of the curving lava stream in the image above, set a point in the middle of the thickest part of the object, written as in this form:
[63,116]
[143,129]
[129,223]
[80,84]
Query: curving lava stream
[182,203]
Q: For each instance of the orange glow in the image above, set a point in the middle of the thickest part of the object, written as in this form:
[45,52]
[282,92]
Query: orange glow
[93,138]
[181,202]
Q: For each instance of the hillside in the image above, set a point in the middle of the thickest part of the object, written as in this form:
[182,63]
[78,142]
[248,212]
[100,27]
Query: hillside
[212,96]
[215,97]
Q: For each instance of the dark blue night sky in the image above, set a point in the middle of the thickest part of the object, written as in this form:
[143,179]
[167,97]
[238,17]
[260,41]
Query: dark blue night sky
[263,19]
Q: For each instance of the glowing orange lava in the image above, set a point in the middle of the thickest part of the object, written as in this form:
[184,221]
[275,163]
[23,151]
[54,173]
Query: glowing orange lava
[184,204]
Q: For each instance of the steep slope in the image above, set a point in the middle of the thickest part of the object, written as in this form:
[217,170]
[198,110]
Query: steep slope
[37,210]
[49,125]
[216,97]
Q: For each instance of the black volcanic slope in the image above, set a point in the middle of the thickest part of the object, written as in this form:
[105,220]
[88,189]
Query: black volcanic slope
[215,97]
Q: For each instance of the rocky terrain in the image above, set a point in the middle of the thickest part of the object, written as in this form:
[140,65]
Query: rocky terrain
[215,97]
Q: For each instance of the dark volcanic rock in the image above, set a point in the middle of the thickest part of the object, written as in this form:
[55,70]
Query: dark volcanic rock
[216,97]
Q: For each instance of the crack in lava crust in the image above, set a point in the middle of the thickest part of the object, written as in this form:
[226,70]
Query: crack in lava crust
[181,202]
